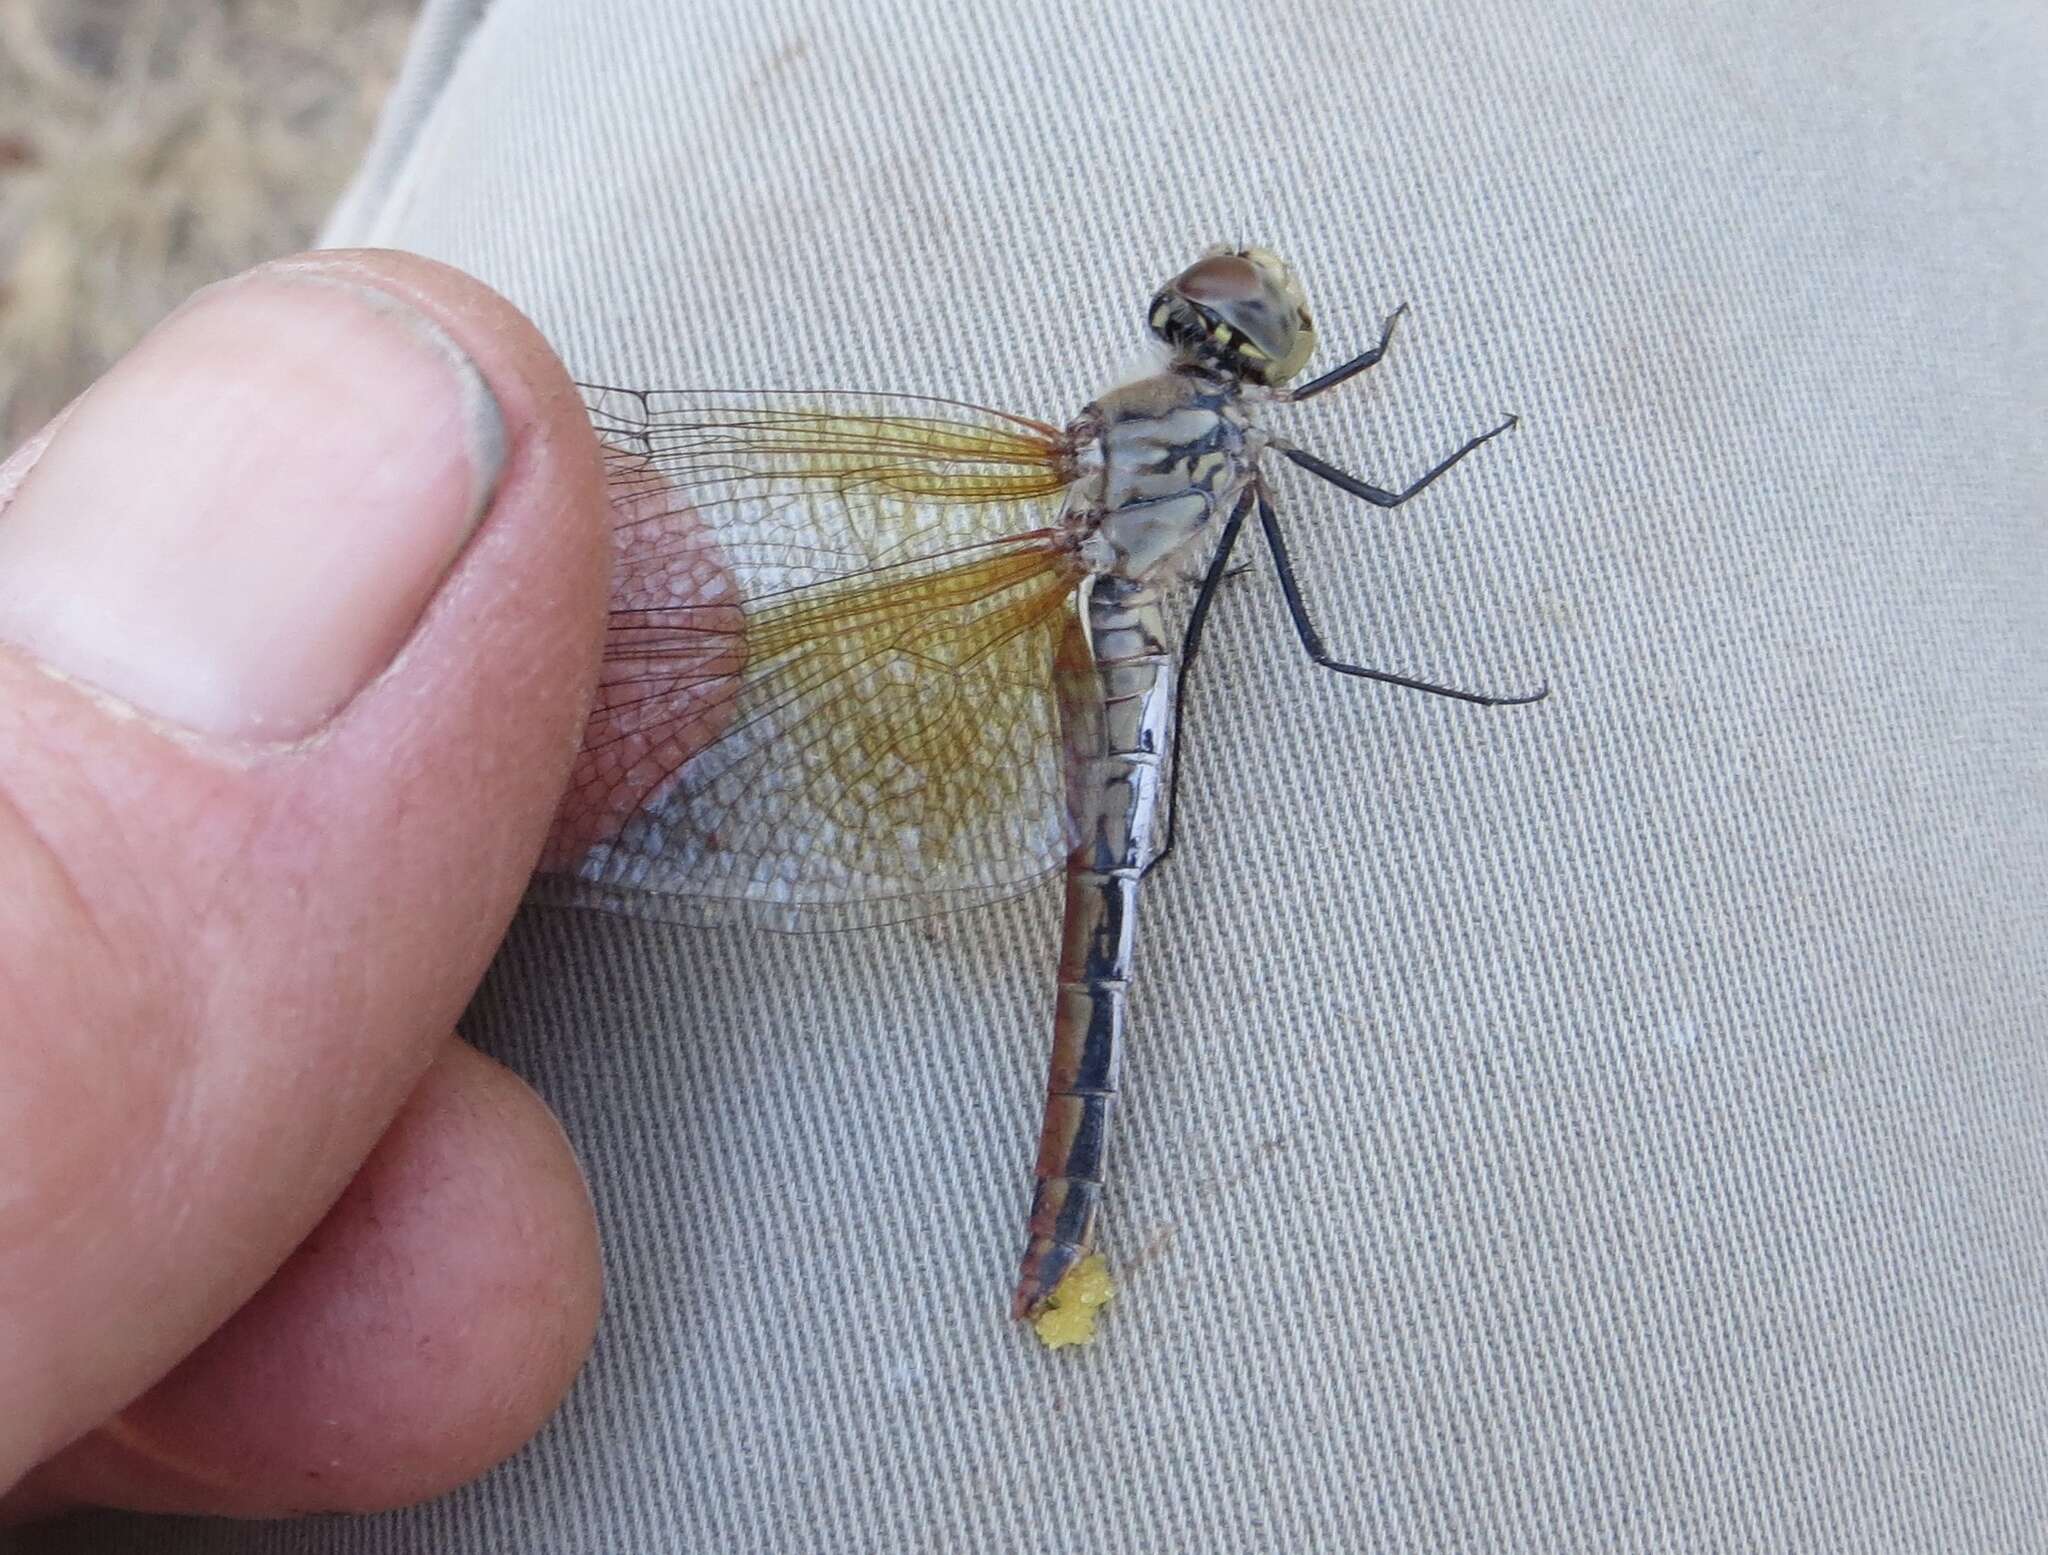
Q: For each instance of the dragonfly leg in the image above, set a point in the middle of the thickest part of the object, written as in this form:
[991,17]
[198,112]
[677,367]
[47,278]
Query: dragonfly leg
[1372,493]
[1355,366]
[1190,645]
[1312,641]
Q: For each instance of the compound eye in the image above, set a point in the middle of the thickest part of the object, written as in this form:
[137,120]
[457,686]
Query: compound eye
[1221,280]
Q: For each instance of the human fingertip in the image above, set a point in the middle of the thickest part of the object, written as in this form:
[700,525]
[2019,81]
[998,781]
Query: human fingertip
[424,1331]
[238,527]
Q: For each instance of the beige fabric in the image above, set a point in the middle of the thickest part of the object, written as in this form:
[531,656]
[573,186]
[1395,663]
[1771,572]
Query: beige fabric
[1620,1125]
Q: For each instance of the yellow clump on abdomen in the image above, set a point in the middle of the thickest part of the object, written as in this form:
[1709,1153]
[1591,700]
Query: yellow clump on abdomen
[1076,1302]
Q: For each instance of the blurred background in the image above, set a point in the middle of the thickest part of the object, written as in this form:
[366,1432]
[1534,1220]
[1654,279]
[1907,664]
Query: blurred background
[150,146]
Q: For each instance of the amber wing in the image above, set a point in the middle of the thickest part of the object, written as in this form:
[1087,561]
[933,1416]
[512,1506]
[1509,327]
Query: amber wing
[827,697]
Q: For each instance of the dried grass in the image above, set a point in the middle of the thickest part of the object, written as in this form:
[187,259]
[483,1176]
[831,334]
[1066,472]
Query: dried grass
[150,146]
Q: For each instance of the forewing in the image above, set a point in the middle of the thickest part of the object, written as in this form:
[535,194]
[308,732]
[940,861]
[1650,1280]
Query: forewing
[800,488]
[828,695]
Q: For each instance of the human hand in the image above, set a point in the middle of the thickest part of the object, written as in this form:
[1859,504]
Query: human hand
[299,611]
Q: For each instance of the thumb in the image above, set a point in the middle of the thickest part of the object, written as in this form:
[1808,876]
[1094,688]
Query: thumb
[299,611]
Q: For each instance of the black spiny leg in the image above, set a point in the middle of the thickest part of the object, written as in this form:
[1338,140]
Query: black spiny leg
[1312,641]
[1352,368]
[1190,645]
[1373,494]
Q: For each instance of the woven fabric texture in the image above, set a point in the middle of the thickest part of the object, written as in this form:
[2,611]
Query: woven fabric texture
[1617,1125]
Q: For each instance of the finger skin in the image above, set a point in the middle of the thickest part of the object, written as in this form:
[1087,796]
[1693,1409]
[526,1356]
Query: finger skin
[423,1331]
[223,968]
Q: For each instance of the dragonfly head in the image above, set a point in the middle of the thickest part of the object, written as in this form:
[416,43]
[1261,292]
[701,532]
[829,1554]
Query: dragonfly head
[1239,310]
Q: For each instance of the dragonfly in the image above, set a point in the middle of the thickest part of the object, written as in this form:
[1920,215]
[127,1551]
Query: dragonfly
[877,656]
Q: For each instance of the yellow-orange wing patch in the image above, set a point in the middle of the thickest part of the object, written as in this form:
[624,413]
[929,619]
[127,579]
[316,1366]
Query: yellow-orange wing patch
[828,688]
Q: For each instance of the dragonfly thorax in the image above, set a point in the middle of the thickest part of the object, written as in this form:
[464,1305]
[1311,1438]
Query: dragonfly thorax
[1161,462]
[1239,312]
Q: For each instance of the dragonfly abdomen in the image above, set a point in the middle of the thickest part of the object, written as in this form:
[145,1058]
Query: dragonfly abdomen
[1120,787]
